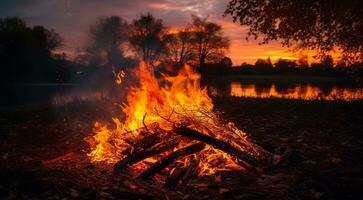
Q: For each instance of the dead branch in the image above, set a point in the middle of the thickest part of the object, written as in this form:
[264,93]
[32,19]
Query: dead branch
[164,162]
[136,157]
[192,171]
[218,144]
[143,122]
[174,176]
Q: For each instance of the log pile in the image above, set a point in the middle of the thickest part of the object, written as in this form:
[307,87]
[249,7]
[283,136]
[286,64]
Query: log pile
[179,151]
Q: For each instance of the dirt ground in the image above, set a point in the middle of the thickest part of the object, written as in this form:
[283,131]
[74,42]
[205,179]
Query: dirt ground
[43,154]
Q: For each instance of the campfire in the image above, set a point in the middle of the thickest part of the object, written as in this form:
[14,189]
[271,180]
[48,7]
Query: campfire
[170,133]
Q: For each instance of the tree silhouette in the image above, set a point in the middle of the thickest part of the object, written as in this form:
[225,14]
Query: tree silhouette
[148,38]
[226,62]
[209,42]
[263,65]
[285,66]
[180,46]
[26,53]
[303,61]
[106,40]
[313,24]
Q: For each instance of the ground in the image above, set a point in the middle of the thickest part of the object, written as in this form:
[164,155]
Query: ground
[43,154]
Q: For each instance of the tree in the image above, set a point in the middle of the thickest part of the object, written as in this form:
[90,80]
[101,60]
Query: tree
[148,38]
[263,65]
[328,62]
[303,61]
[26,52]
[226,62]
[209,42]
[325,66]
[312,24]
[285,66]
[107,38]
[180,46]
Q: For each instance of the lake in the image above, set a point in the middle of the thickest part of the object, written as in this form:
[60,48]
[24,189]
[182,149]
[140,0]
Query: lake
[304,91]
[60,94]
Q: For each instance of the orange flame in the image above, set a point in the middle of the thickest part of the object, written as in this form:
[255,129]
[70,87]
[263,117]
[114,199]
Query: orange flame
[119,76]
[166,101]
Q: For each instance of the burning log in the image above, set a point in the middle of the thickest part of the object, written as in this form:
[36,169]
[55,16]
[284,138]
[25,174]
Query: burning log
[180,101]
[166,161]
[141,155]
[192,171]
[218,144]
[174,176]
[150,139]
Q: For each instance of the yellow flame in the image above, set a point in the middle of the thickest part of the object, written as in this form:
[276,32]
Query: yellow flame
[166,101]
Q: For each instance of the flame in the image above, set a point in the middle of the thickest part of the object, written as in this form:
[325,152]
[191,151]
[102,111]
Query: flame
[164,102]
[118,76]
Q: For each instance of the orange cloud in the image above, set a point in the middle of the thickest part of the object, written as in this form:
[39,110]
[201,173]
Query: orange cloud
[161,5]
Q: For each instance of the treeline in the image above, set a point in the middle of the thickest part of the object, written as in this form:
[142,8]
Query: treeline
[27,53]
[112,39]
[300,67]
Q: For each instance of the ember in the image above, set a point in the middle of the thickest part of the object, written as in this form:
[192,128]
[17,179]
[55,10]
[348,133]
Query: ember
[171,126]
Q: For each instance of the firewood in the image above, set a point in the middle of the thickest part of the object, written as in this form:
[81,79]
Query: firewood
[192,171]
[218,144]
[167,160]
[174,176]
[149,140]
[136,157]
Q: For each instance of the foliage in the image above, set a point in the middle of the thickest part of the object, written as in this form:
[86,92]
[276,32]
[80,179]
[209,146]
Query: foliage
[208,40]
[148,38]
[227,62]
[26,52]
[180,46]
[313,24]
[106,40]
[199,43]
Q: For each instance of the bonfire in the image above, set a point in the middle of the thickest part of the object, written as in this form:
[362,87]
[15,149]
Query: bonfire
[171,128]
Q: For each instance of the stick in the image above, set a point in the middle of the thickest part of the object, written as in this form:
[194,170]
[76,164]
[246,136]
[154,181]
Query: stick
[164,162]
[216,143]
[192,171]
[139,156]
[174,176]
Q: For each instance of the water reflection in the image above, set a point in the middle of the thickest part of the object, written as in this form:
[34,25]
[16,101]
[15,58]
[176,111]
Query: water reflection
[78,95]
[294,91]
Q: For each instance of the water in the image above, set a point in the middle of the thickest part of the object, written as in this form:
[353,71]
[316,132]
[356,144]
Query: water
[61,94]
[56,94]
[305,91]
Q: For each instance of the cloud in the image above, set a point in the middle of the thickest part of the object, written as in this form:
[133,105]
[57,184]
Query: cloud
[72,18]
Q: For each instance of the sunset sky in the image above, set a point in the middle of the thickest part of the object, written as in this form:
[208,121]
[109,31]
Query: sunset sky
[72,19]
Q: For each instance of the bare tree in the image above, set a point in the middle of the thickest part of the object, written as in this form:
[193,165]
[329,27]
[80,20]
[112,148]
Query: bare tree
[209,42]
[148,38]
[180,46]
[107,38]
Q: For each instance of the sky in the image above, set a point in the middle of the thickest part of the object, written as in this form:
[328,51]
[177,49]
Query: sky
[72,19]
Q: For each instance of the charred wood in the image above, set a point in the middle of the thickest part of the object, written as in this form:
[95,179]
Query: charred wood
[167,160]
[174,176]
[192,171]
[218,144]
[138,156]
